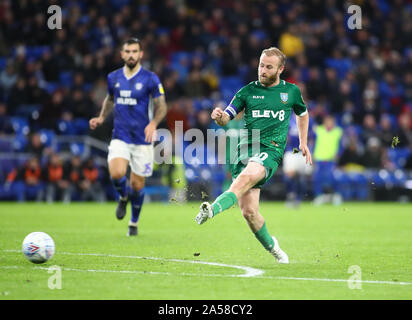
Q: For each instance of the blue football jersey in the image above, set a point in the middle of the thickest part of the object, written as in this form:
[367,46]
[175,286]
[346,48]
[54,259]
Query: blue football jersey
[133,105]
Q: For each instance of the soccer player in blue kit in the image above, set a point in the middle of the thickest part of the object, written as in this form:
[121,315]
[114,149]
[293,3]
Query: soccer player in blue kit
[133,93]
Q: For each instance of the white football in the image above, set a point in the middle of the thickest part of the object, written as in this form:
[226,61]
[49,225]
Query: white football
[38,247]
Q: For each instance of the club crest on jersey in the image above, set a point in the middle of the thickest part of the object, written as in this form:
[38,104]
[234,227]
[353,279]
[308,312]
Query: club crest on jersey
[139,86]
[117,85]
[283,97]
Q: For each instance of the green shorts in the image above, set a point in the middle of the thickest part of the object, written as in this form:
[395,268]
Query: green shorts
[269,157]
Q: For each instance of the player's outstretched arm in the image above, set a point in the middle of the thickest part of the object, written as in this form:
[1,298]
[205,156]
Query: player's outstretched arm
[303,127]
[160,112]
[107,107]
[220,117]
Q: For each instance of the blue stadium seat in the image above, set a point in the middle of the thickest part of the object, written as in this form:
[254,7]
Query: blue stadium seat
[81,125]
[27,110]
[398,156]
[47,137]
[229,86]
[51,87]
[118,4]
[66,127]
[66,78]
[6,145]
[20,142]
[3,62]
[20,125]
[178,55]
[77,148]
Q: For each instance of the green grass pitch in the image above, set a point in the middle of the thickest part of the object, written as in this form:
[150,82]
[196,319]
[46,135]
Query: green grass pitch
[168,258]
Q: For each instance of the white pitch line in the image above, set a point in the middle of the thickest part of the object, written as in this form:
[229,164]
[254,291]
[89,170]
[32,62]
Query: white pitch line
[402,283]
[249,272]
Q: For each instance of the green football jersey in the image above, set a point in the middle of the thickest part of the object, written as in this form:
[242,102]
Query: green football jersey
[267,110]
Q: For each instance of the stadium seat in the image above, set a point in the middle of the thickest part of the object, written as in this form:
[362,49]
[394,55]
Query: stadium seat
[51,87]
[47,137]
[66,78]
[77,148]
[20,125]
[229,86]
[81,125]
[19,142]
[66,127]
[398,156]
[342,66]
[3,62]
[118,4]
[27,110]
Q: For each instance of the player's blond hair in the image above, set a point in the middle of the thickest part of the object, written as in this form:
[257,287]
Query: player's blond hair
[273,51]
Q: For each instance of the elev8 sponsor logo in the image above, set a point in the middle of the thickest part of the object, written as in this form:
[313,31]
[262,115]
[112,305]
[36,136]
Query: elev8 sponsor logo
[269,113]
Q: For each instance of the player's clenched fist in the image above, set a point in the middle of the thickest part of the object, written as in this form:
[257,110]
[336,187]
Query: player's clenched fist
[217,113]
[95,122]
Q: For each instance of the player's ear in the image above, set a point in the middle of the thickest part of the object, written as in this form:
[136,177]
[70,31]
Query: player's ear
[141,54]
[281,69]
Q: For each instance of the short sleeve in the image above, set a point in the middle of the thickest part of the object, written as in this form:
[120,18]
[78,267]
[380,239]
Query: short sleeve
[110,85]
[236,105]
[156,89]
[299,106]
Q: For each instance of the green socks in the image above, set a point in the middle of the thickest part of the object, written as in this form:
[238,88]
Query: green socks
[265,238]
[223,202]
[228,199]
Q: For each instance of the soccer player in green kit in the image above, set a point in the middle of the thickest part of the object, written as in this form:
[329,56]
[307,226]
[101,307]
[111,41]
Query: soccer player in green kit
[267,105]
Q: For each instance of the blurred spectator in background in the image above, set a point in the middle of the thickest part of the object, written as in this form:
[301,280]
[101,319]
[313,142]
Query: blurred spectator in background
[386,131]
[5,122]
[296,172]
[351,158]
[56,186]
[351,182]
[36,147]
[73,173]
[327,143]
[81,104]
[375,156]
[370,128]
[19,94]
[8,79]
[405,133]
[91,188]
[290,43]
[26,182]
[195,86]
[52,110]
[203,122]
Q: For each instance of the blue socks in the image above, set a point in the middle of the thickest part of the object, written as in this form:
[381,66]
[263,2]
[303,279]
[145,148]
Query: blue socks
[136,198]
[120,186]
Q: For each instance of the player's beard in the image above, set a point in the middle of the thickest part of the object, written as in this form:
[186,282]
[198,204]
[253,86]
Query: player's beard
[131,64]
[268,81]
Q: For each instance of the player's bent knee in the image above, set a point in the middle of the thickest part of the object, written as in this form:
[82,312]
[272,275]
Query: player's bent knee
[117,174]
[137,185]
[248,213]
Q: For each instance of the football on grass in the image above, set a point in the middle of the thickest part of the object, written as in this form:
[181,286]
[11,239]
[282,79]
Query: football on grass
[38,247]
